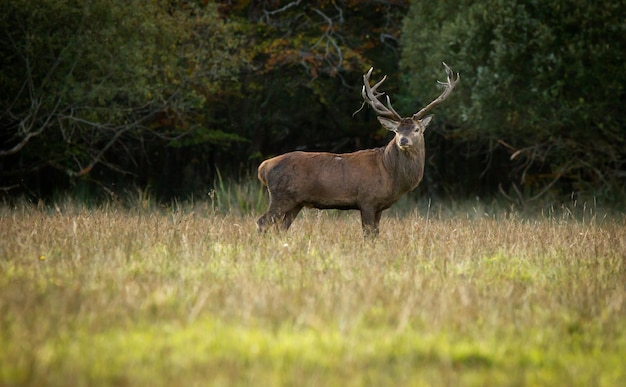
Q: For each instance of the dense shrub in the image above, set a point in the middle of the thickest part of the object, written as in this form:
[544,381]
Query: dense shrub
[541,81]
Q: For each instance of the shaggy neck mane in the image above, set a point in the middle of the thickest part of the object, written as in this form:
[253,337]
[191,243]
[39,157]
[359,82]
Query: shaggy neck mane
[406,167]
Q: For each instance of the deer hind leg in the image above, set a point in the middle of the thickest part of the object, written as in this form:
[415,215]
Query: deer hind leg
[266,221]
[290,216]
[281,216]
[270,217]
[370,218]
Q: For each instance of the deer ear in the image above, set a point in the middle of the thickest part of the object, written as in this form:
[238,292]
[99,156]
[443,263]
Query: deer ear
[389,124]
[426,120]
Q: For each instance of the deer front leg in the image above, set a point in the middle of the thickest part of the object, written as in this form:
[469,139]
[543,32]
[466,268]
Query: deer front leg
[369,220]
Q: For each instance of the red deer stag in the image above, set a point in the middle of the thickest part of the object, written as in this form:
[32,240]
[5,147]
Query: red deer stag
[369,180]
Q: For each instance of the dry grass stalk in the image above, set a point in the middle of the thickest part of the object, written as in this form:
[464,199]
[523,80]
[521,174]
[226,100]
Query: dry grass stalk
[470,298]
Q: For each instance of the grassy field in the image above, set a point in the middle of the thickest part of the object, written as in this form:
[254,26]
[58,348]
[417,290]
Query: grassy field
[186,296]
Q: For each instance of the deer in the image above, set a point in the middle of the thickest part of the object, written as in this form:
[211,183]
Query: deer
[369,180]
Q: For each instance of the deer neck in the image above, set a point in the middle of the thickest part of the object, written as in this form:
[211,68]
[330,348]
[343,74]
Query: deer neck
[405,166]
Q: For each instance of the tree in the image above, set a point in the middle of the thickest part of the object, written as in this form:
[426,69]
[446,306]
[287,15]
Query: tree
[543,81]
[308,61]
[162,94]
[92,84]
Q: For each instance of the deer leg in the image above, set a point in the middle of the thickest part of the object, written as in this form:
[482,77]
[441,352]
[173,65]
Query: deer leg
[279,215]
[266,221]
[369,220]
[290,216]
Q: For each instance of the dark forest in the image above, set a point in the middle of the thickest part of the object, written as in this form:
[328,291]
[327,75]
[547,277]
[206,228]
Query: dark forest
[102,98]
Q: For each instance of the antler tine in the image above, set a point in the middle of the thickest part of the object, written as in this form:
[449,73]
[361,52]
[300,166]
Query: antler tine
[392,109]
[370,96]
[375,87]
[449,86]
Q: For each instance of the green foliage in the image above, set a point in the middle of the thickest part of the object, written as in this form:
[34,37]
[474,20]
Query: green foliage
[244,197]
[163,94]
[133,93]
[87,84]
[546,80]
[308,59]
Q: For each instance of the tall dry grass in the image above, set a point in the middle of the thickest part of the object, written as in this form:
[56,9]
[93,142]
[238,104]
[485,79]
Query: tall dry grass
[184,295]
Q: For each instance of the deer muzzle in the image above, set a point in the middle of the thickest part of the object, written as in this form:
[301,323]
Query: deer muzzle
[404,142]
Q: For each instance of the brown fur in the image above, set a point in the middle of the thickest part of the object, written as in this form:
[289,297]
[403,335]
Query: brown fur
[369,180]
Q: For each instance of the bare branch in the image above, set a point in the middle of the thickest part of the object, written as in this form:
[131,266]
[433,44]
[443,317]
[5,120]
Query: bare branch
[549,185]
[31,118]
[267,14]
[323,15]
[330,40]
[95,159]
[26,124]
[8,188]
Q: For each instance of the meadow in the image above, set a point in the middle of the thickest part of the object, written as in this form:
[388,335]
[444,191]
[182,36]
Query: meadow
[458,294]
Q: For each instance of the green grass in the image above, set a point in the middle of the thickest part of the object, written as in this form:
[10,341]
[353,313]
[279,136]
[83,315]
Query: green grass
[189,296]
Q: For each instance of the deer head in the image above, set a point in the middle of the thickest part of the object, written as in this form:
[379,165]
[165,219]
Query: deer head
[408,128]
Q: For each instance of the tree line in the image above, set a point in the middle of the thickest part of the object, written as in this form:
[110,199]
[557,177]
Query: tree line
[104,96]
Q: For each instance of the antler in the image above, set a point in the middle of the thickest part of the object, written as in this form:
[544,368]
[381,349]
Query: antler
[371,94]
[449,86]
